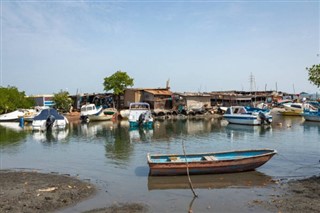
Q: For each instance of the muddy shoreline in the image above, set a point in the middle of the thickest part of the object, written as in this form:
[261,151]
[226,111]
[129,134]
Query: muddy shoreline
[25,191]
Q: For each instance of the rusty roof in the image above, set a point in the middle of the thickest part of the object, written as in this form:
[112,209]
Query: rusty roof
[158,91]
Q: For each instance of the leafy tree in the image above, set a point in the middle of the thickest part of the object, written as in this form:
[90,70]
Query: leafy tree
[314,74]
[11,99]
[117,82]
[62,100]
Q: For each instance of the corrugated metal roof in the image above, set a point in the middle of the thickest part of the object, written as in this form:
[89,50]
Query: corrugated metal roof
[158,92]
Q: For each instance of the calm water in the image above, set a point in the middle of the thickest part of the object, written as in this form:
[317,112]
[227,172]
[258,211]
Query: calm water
[114,158]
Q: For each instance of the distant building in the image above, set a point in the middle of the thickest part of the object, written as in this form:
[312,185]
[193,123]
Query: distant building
[191,101]
[43,100]
[158,98]
[242,98]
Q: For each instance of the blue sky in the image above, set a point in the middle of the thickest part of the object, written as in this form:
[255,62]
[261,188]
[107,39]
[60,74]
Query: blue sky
[201,46]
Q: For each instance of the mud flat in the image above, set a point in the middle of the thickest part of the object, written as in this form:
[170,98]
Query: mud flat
[295,196]
[37,192]
[25,191]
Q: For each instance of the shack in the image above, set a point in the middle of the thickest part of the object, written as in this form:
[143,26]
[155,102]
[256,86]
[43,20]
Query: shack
[159,98]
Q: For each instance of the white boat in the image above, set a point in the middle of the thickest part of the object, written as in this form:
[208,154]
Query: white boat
[12,116]
[49,119]
[90,112]
[140,115]
[124,113]
[247,115]
[292,109]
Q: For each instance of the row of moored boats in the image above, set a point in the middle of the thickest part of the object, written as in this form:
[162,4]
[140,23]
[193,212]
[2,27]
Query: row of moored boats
[139,114]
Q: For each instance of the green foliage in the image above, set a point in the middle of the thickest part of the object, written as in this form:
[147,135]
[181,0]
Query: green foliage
[314,74]
[117,82]
[63,101]
[11,99]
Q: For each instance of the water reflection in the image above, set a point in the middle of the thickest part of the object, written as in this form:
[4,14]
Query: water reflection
[142,134]
[240,131]
[310,126]
[117,145]
[50,136]
[166,129]
[11,132]
[217,181]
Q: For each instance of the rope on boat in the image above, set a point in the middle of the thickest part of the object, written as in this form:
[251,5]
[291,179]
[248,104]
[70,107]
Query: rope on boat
[300,164]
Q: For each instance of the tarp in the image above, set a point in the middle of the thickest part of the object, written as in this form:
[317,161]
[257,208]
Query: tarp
[45,113]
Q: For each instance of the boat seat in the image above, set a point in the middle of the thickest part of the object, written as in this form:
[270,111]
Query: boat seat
[210,158]
[175,159]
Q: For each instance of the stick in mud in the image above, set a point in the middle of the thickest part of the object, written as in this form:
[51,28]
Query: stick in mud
[190,183]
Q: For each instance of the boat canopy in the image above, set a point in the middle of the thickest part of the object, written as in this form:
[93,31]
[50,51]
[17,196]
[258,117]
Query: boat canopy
[45,113]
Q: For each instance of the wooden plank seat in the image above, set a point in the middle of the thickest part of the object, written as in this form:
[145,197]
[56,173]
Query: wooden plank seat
[210,158]
[175,159]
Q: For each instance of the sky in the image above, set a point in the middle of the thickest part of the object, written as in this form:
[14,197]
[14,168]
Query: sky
[199,46]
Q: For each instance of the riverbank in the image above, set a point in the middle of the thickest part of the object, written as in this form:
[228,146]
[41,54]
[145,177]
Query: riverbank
[23,191]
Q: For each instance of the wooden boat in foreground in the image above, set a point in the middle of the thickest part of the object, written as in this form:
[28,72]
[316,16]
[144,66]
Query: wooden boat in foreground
[208,163]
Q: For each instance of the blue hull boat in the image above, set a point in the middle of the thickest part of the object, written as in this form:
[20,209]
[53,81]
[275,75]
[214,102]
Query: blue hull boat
[208,163]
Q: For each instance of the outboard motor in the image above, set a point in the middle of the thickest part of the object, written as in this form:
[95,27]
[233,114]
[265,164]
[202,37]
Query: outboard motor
[49,122]
[263,118]
[141,118]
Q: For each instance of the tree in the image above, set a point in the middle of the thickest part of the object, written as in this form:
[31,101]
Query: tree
[117,82]
[63,101]
[11,99]
[314,74]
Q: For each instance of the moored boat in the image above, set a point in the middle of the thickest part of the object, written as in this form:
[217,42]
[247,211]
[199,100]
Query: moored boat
[208,163]
[311,115]
[90,112]
[12,116]
[140,115]
[247,115]
[292,109]
[49,119]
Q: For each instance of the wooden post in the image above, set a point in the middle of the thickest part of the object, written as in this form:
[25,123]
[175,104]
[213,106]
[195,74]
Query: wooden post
[190,183]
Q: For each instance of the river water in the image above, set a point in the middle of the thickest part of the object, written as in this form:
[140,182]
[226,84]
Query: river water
[113,157]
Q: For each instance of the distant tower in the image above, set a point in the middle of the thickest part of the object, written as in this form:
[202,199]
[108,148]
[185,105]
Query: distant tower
[168,84]
[252,82]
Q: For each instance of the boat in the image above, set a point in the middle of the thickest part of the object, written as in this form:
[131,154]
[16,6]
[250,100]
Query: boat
[124,113]
[208,163]
[12,116]
[311,114]
[292,109]
[140,115]
[90,112]
[49,119]
[247,115]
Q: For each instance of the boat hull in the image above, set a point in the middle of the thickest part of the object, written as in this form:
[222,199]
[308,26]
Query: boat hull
[226,162]
[134,124]
[244,120]
[312,116]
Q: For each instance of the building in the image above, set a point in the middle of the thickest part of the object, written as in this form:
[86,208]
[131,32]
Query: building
[159,98]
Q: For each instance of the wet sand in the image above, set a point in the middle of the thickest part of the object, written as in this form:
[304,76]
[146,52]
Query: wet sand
[24,191]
